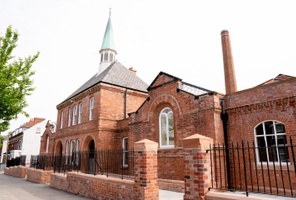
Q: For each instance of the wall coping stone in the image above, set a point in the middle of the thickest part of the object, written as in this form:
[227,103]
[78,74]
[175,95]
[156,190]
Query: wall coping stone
[145,145]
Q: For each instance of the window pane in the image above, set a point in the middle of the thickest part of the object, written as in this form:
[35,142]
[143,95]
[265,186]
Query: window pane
[163,130]
[259,130]
[261,149]
[280,128]
[269,127]
[171,128]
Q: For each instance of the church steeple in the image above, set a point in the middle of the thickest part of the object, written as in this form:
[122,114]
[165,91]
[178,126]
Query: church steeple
[107,51]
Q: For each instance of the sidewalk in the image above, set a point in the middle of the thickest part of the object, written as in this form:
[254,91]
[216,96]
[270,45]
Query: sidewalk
[12,188]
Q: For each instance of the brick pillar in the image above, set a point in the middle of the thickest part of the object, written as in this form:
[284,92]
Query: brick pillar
[146,182]
[229,73]
[197,167]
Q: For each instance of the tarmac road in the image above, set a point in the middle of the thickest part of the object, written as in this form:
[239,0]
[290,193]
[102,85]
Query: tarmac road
[12,188]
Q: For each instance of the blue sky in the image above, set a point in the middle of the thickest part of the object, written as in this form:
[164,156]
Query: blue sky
[181,38]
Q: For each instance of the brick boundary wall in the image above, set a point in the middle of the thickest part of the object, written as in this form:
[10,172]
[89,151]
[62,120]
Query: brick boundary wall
[38,176]
[146,177]
[144,187]
[196,166]
[59,181]
[95,187]
[16,171]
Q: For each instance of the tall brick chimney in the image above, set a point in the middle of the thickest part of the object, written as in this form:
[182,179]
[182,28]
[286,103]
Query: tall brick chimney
[229,73]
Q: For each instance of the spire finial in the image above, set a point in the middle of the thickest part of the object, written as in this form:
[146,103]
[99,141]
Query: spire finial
[110,12]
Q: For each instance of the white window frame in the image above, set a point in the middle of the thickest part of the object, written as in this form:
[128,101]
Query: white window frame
[62,120]
[79,113]
[69,116]
[275,135]
[125,152]
[74,112]
[91,108]
[165,144]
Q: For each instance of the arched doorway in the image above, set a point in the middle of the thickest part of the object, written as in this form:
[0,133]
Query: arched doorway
[59,149]
[91,156]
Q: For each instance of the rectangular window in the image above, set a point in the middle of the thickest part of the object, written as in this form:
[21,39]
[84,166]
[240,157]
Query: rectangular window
[125,152]
[79,113]
[91,108]
[69,116]
[74,115]
[38,130]
[62,120]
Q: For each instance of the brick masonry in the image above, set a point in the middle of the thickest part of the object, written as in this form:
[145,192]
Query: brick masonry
[17,171]
[38,176]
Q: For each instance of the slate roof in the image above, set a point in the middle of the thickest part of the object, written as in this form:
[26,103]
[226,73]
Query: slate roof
[116,74]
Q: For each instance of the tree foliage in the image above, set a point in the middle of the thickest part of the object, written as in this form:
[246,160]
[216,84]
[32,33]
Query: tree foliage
[15,79]
[1,140]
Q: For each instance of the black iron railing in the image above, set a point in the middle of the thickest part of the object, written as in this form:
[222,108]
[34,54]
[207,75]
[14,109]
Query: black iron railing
[105,162]
[44,162]
[16,161]
[268,170]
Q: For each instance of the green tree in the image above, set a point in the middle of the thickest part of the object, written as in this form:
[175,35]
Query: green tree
[1,140]
[15,79]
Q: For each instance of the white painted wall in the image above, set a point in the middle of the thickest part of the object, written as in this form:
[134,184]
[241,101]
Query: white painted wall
[31,140]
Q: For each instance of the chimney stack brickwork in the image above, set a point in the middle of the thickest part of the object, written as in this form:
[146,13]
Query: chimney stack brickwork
[229,73]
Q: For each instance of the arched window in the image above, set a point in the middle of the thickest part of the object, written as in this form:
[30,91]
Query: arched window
[67,152]
[77,152]
[62,119]
[69,116]
[72,149]
[166,128]
[101,57]
[47,143]
[125,152]
[271,142]
[106,56]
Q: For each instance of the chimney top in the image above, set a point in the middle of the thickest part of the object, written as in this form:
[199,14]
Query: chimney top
[133,71]
[224,32]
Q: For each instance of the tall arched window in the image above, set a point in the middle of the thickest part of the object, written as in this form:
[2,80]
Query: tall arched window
[77,152]
[67,152]
[47,143]
[271,142]
[166,128]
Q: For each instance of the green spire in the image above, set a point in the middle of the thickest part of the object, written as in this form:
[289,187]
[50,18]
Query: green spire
[108,41]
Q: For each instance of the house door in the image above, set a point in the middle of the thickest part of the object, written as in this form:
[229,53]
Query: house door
[91,157]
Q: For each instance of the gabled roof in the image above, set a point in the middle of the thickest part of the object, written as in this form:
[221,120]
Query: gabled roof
[116,74]
[278,78]
[186,87]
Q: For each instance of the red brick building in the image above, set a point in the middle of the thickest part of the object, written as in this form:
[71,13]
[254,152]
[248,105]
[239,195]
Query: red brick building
[115,108]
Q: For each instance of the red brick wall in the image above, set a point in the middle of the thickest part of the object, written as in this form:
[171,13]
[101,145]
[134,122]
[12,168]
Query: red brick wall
[18,171]
[246,109]
[38,176]
[108,109]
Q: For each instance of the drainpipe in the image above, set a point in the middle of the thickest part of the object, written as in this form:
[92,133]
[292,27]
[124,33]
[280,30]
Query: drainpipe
[124,106]
[224,117]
